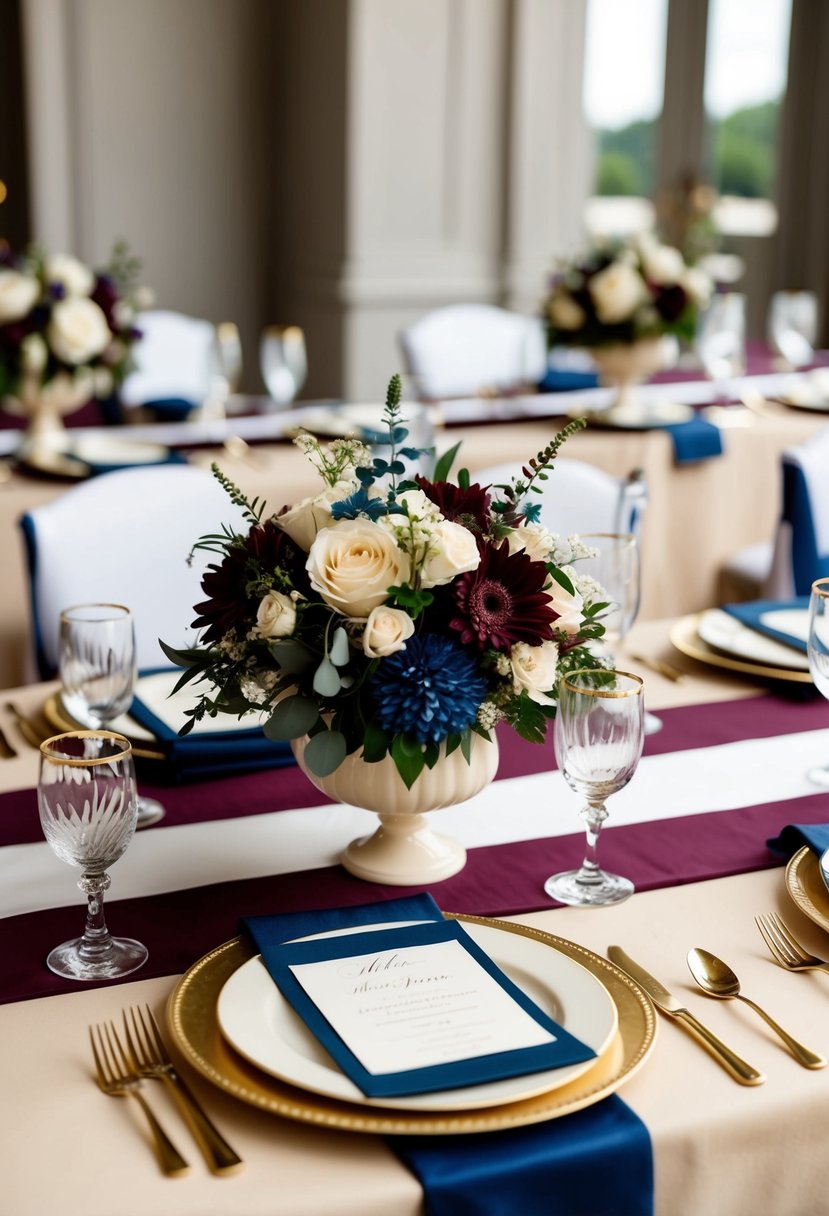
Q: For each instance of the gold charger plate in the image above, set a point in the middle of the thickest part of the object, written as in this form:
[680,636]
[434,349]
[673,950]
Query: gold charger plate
[685,638]
[191,1016]
[56,714]
[807,888]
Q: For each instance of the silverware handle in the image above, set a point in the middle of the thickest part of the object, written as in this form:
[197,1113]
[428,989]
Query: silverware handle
[171,1159]
[731,1062]
[218,1154]
[803,1055]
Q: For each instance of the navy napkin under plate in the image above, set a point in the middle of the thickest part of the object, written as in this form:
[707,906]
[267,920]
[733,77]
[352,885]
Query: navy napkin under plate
[566,380]
[594,1162]
[750,613]
[795,835]
[694,440]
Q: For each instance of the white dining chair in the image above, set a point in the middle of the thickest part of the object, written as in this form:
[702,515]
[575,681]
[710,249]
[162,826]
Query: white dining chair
[469,350]
[124,537]
[175,359]
[578,497]
[798,553]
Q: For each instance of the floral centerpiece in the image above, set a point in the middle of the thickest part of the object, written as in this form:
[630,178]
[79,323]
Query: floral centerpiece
[389,616]
[66,331]
[624,292]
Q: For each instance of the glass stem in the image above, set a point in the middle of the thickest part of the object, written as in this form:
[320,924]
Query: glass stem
[593,816]
[96,941]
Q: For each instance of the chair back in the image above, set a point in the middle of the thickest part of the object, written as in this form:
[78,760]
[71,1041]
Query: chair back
[175,360]
[469,350]
[801,546]
[124,538]
[579,498]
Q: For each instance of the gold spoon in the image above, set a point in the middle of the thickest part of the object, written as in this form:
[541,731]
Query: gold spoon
[717,979]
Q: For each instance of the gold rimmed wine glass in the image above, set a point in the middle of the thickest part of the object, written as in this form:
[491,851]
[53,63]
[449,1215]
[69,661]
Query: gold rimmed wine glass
[599,733]
[88,807]
[283,361]
[818,650]
[96,662]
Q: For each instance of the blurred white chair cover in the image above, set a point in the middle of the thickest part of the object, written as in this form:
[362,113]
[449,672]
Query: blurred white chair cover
[175,360]
[469,350]
[799,552]
[124,538]
[578,497]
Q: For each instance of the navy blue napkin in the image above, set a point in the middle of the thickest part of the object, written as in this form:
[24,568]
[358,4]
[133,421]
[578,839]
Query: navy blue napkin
[566,380]
[795,835]
[595,1162]
[695,440]
[750,613]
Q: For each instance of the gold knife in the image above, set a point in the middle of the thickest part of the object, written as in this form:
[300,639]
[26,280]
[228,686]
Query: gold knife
[737,1067]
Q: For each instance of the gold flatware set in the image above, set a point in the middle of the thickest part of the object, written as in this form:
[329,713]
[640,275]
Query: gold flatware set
[122,1066]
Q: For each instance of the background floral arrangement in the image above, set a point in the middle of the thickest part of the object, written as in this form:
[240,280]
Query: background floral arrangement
[392,615]
[638,288]
[66,331]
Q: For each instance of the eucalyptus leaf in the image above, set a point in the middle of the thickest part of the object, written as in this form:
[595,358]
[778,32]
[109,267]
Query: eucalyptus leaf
[292,718]
[325,752]
[293,656]
[339,652]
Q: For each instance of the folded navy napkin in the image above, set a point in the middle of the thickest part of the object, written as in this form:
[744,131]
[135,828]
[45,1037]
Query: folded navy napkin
[750,614]
[595,1162]
[795,835]
[566,380]
[695,440]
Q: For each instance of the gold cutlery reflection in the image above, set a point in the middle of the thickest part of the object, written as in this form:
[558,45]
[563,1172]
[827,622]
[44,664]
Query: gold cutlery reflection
[717,979]
[784,947]
[661,668]
[28,731]
[7,752]
[149,1058]
[116,1079]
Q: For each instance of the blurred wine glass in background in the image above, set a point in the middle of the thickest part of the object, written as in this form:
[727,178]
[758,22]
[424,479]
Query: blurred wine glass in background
[721,341]
[792,326]
[283,362]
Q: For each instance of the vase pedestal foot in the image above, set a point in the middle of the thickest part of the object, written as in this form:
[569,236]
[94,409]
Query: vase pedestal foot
[404,852]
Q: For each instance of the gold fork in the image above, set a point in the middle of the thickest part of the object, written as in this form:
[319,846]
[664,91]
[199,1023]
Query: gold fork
[150,1058]
[784,947]
[115,1078]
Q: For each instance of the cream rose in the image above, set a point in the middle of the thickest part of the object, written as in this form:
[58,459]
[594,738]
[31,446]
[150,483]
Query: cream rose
[534,670]
[663,264]
[352,565]
[616,291]
[75,278]
[697,284]
[452,550]
[33,353]
[275,616]
[78,330]
[570,607]
[306,519]
[386,631]
[18,293]
[565,312]
[534,540]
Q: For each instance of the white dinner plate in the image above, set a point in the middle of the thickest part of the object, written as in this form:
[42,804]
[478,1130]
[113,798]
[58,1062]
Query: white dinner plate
[110,449]
[262,1026]
[640,416]
[724,632]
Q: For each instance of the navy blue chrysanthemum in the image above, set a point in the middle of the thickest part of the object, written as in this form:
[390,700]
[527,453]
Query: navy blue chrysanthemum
[429,690]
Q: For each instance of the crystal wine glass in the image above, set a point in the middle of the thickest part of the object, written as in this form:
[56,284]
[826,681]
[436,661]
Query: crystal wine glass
[599,733]
[96,662]
[88,804]
[283,362]
[818,648]
[721,340]
[792,326]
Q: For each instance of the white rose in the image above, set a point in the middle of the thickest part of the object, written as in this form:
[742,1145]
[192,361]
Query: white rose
[534,670]
[123,313]
[452,550]
[75,278]
[663,264]
[570,607]
[697,284]
[353,564]
[143,297]
[306,519]
[78,330]
[275,616]
[565,312]
[534,539]
[616,292]
[33,353]
[386,631]
[18,293]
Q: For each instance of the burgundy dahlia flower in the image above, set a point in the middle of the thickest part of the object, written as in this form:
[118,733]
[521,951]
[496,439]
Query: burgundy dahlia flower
[503,602]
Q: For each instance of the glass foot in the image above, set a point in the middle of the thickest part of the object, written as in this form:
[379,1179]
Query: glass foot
[149,812]
[819,776]
[124,957]
[605,889]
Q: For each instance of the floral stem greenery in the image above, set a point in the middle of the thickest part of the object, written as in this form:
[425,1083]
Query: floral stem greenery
[535,471]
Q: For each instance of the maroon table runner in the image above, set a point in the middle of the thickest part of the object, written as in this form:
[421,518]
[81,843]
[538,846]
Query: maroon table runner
[507,879]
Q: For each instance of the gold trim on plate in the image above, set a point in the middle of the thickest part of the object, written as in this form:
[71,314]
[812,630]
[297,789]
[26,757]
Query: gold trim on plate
[807,888]
[191,1015]
[685,638]
[54,712]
